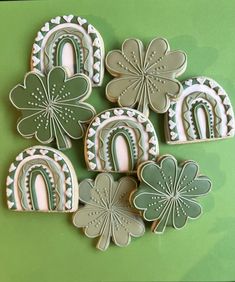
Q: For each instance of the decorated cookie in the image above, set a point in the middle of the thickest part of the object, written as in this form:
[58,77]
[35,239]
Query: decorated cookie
[42,179]
[71,42]
[53,106]
[168,191]
[107,212]
[145,78]
[203,112]
[118,140]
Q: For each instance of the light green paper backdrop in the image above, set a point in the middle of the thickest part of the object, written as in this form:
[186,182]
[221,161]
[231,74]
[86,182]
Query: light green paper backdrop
[46,247]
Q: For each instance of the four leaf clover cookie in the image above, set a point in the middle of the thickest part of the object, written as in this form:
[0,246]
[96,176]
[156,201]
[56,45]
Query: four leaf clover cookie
[53,106]
[145,78]
[107,212]
[168,191]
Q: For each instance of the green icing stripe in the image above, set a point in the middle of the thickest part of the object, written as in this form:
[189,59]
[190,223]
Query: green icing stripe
[50,190]
[190,120]
[112,156]
[77,54]
[209,119]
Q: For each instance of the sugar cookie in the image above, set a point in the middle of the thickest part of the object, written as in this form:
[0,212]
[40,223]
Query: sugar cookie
[168,191]
[107,212]
[42,179]
[203,112]
[53,106]
[71,42]
[118,140]
[145,78]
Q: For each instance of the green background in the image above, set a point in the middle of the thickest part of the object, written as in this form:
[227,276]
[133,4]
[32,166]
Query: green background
[46,247]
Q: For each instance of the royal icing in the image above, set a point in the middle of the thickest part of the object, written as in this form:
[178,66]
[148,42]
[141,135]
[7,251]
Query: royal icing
[53,106]
[203,112]
[145,78]
[118,140]
[168,191]
[71,42]
[107,212]
[42,179]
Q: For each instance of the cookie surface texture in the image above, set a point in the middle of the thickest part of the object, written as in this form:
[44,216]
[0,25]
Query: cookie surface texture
[42,179]
[168,191]
[145,78]
[71,42]
[107,212]
[53,106]
[118,140]
[202,113]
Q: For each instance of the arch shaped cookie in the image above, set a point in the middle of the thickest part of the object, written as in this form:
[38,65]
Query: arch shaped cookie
[42,179]
[203,112]
[71,42]
[118,140]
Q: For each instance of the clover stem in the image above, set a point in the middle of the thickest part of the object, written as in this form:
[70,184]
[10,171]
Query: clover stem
[143,107]
[104,240]
[160,225]
[62,141]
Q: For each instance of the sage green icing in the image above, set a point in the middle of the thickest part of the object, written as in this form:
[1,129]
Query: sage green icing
[167,192]
[107,212]
[56,172]
[53,106]
[145,78]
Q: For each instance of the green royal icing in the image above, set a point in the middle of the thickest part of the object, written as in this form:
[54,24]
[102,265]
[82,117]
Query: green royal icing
[58,179]
[167,192]
[107,212]
[145,78]
[53,106]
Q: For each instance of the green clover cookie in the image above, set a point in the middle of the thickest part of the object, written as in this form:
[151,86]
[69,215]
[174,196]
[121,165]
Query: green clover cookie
[52,106]
[107,212]
[168,191]
[145,78]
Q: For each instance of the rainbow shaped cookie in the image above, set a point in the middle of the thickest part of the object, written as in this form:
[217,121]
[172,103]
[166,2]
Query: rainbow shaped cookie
[119,139]
[42,179]
[203,112]
[71,42]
